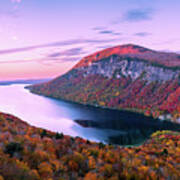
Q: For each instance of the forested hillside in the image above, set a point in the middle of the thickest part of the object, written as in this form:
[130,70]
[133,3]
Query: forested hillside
[124,77]
[28,153]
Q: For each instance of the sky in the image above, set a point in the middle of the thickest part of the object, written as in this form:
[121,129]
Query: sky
[46,38]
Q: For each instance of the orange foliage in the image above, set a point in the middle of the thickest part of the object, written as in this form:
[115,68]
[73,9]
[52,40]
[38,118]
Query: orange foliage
[45,157]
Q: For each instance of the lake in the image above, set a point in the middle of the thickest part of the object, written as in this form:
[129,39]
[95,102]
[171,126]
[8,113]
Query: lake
[109,126]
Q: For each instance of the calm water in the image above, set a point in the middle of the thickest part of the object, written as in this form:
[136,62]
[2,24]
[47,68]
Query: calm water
[59,116]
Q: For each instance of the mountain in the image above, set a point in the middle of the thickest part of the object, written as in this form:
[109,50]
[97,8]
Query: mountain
[31,153]
[136,52]
[123,77]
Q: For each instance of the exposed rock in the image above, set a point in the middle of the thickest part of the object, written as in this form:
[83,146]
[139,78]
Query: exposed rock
[118,67]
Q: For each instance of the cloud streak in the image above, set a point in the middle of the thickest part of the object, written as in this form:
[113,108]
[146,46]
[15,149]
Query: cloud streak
[142,34]
[109,32]
[98,28]
[137,15]
[60,59]
[59,43]
[105,31]
[69,52]
[68,55]
[16,1]
[16,61]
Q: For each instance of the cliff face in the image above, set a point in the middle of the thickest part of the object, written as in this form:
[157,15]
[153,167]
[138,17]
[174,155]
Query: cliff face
[118,67]
[128,77]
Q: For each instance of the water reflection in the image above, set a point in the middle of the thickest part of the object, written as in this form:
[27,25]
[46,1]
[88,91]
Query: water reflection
[59,116]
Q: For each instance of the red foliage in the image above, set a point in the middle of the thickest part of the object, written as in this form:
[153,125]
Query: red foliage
[130,50]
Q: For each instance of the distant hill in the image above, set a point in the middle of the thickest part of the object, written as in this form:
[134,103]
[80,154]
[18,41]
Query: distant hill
[30,153]
[123,77]
[28,81]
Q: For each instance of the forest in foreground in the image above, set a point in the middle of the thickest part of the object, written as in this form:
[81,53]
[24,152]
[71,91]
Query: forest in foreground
[27,153]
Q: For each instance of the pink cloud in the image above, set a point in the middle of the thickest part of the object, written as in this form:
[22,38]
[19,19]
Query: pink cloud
[16,1]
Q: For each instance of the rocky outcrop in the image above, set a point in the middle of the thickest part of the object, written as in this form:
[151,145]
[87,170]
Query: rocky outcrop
[118,67]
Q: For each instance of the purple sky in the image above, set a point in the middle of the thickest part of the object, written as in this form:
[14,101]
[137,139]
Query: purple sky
[45,38]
